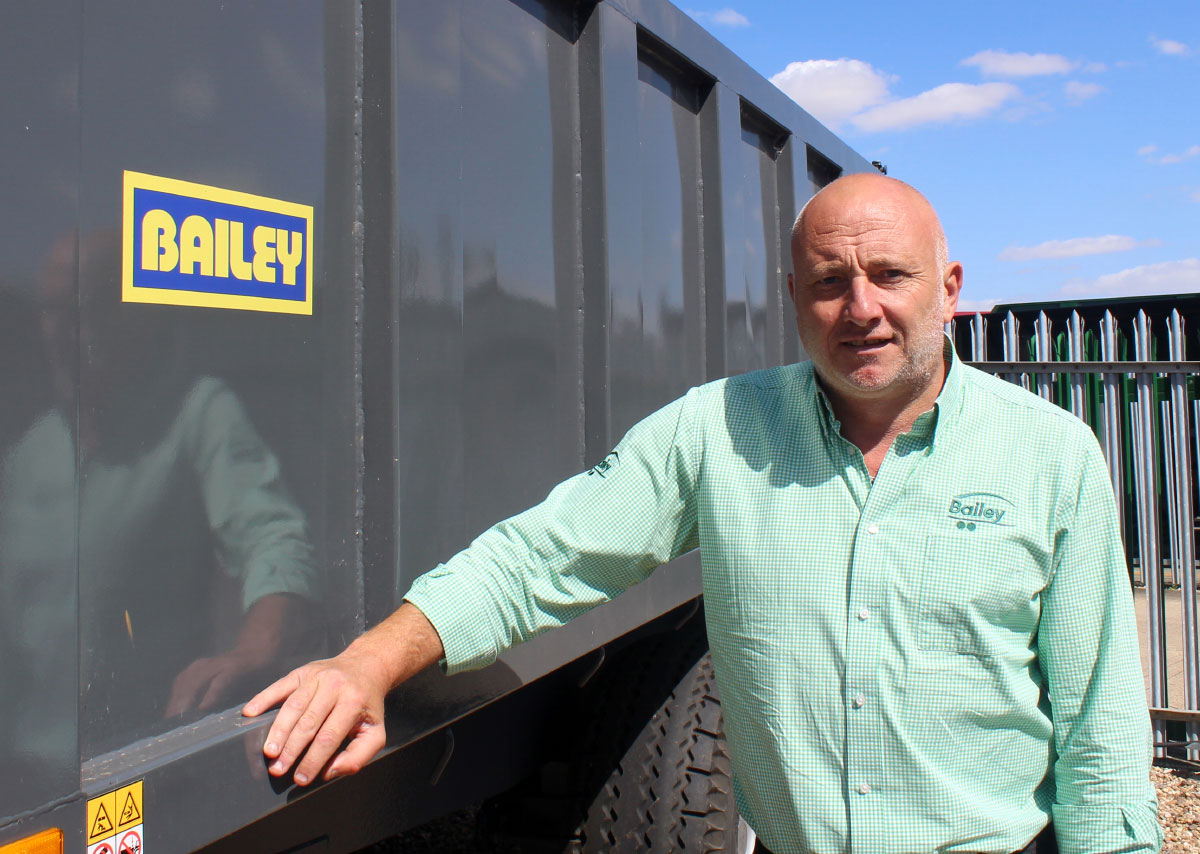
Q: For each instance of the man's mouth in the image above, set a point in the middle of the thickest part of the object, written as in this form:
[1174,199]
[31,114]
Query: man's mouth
[866,345]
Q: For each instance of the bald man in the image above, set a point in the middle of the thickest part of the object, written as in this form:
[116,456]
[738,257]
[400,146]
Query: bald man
[915,591]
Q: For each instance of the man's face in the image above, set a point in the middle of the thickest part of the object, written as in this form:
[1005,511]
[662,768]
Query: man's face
[871,301]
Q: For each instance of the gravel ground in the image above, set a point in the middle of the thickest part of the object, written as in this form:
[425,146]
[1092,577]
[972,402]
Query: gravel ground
[1178,810]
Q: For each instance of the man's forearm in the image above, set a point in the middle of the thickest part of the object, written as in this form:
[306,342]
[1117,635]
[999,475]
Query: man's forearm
[401,646]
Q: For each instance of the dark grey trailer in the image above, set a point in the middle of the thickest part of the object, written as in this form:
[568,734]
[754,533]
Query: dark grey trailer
[296,298]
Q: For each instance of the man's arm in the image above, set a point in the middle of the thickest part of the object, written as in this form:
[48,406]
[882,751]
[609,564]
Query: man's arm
[595,535]
[1089,652]
[326,701]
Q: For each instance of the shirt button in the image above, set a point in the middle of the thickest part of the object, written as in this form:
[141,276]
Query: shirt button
[860,701]
[863,614]
[872,528]
[864,789]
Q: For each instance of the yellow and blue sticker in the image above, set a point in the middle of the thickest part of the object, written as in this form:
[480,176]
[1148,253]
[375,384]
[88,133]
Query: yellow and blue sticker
[191,244]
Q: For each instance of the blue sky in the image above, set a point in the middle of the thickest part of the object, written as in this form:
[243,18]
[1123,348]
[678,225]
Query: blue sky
[1059,141]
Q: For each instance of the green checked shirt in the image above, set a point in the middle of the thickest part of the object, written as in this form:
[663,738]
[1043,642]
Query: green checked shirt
[939,660]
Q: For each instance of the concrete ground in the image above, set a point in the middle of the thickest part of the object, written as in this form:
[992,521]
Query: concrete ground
[1173,633]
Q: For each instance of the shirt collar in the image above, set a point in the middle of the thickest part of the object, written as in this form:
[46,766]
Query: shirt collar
[829,421]
[930,426]
[949,400]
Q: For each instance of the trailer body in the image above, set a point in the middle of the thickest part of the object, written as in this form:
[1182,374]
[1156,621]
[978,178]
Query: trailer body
[297,298]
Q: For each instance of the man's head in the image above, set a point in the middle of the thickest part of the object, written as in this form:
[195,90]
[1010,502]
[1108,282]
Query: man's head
[873,288]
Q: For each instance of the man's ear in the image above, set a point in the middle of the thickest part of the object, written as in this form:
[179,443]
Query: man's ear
[792,286]
[952,282]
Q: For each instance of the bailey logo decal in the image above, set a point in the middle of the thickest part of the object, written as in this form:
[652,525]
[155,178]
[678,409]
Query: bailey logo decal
[981,508]
[190,244]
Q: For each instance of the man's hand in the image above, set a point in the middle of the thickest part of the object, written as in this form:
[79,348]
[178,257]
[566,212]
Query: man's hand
[326,702]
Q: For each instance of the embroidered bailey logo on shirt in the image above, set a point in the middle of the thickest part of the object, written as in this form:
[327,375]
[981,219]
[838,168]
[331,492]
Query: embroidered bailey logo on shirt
[977,508]
[605,465]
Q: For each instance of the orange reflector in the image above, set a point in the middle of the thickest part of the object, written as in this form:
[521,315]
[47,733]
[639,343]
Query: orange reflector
[46,842]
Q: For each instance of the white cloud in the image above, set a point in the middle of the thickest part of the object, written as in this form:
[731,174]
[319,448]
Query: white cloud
[1167,277]
[1151,155]
[1077,92]
[1169,47]
[1196,196]
[1095,68]
[833,90]
[984,305]
[941,104]
[1194,151]
[1075,247]
[722,17]
[999,63]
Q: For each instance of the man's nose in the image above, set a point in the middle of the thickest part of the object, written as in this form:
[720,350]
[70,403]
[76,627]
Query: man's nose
[862,304]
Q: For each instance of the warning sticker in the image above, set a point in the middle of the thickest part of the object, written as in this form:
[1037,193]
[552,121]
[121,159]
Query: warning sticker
[100,817]
[129,806]
[114,821]
[130,842]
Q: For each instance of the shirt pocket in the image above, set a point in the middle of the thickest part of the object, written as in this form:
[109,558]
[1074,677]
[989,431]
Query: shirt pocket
[978,594]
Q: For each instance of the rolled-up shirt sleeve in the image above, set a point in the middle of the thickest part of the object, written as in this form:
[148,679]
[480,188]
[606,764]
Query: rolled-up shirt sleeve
[595,535]
[1089,653]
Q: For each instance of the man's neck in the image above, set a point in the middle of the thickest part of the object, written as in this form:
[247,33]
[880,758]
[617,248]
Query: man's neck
[872,424]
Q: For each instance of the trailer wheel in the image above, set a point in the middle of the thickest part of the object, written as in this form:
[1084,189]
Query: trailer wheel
[672,790]
[642,765]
